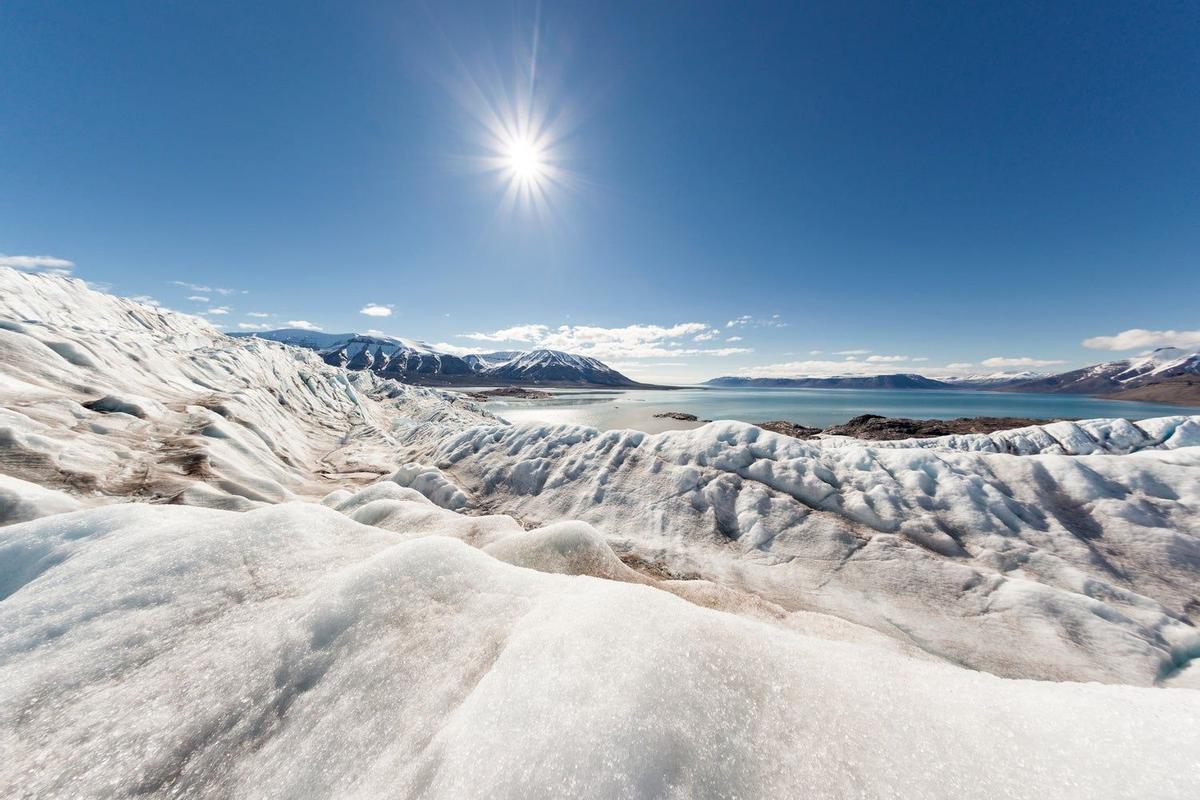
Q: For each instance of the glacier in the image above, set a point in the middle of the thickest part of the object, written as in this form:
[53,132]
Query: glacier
[229,569]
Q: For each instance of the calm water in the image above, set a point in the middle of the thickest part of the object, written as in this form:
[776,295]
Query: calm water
[816,407]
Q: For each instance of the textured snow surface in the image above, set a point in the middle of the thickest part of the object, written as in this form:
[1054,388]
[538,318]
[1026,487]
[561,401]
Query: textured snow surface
[464,608]
[21,501]
[101,395]
[1069,562]
[291,652]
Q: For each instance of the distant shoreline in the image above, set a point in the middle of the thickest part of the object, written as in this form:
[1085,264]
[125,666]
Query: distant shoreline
[809,410]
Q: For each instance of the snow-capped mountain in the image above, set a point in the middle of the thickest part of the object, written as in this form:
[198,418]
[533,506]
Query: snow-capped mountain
[1168,374]
[414,361]
[481,361]
[555,366]
[405,360]
[993,380]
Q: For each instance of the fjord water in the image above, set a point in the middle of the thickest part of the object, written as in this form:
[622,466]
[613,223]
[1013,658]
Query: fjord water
[609,409]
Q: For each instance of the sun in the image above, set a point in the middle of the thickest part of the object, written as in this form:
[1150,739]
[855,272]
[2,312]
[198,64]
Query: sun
[525,161]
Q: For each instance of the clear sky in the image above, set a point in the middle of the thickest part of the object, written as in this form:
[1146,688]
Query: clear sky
[685,189]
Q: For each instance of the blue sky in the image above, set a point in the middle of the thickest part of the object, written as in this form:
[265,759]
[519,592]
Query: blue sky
[723,188]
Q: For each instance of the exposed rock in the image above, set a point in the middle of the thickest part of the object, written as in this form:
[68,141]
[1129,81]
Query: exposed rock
[516,392]
[1181,390]
[873,426]
[681,416]
[789,428]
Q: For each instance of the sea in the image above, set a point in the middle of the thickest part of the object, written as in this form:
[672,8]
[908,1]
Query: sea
[609,409]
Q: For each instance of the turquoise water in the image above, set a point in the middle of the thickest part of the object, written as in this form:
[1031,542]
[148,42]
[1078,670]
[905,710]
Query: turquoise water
[816,407]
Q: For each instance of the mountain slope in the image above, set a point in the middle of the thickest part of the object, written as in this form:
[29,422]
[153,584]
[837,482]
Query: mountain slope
[1168,374]
[992,380]
[406,360]
[555,366]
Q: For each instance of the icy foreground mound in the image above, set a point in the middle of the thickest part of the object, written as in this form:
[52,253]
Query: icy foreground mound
[1048,565]
[291,652]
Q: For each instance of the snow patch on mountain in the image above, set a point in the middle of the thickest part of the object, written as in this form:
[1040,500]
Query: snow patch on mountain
[1163,362]
[990,379]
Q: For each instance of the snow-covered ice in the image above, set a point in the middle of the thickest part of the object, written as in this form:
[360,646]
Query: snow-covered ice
[1043,565]
[291,652]
[229,569]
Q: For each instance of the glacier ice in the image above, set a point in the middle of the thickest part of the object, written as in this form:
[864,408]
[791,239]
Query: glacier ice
[230,569]
[289,651]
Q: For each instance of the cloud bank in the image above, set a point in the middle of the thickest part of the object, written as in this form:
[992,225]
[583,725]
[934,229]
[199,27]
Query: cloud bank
[630,341]
[37,263]
[1142,339]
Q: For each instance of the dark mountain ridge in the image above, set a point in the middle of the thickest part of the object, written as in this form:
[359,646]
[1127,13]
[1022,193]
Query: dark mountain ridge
[413,361]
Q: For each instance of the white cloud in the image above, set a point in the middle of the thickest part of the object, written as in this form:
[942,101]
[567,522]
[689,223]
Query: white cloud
[636,366]
[1021,361]
[960,365]
[304,325]
[1141,339]
[199,287]
[815,352]
[752,321]
[60,266]
[850,366]
[454,349]
[374,310]
[707,336]
[717,352]
[373,332]
[517,333]
[851,352]
[196,298]
[254,326]
[145,300]
[219,310]
[886,359]
[258,314]
[733,339]
[818,368]
[630,341]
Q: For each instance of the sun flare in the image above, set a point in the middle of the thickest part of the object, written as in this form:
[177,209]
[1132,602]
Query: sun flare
[525,160]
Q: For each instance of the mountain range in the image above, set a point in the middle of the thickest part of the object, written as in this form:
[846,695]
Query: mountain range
[416,362]
[1166,375]
[898,381]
